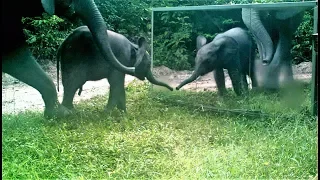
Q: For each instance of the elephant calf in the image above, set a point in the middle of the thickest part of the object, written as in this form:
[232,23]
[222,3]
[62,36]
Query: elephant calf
[232,50]
[82,61]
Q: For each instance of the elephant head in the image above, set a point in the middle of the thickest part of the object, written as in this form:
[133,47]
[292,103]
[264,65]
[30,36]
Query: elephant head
[143,60]
[90,15]
[216,54]
[285,20]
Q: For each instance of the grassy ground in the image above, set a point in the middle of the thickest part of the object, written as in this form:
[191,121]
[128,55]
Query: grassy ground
[162,137]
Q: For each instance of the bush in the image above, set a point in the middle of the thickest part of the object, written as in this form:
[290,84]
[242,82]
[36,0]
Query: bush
[45,34]
[174,32]
[302,43]
[170,46]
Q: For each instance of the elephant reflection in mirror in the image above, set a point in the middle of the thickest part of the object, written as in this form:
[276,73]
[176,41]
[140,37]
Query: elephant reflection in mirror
[232,50]
[18,61]
[82,61]
[273,31]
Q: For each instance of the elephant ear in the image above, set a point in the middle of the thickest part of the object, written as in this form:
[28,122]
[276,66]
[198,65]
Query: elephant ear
[201,40]
[226,44]
[228,50]
[48,6]
[142,43]
[142,63]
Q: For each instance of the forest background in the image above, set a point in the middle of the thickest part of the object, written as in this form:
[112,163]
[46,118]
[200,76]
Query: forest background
[175,32]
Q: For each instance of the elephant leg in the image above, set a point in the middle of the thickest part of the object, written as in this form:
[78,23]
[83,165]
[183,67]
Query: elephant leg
[284,52]
[254,81]
[252,72]
[286,74]
[69,90]
[236,79]
[117,95]
[244,83]
[220,81]
[73,78]
[22,65]
[280,69]
[271,79]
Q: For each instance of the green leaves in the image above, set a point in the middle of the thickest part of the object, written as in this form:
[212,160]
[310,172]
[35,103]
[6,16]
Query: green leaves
[44,35]
[175,32]
[302,41]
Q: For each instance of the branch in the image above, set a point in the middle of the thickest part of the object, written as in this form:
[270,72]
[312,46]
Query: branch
[218,110]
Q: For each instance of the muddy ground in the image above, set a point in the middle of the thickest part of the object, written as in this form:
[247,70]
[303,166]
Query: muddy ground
[17,96]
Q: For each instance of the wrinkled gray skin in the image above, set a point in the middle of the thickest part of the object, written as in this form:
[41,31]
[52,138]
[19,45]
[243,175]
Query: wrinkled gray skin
[273,31]
[82,61]
[231,50]
[18,61]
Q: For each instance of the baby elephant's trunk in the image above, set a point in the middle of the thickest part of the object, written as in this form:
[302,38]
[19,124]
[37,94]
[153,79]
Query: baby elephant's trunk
[153,80]
[193,77]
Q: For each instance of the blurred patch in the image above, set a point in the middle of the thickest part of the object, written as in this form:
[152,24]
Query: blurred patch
[292,95]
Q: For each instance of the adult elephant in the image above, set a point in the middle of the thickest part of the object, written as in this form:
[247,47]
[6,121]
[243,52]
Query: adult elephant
[273,31]
[17,59]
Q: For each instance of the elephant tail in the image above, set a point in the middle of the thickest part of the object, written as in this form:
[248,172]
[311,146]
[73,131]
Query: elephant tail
[58,57]
[80,90]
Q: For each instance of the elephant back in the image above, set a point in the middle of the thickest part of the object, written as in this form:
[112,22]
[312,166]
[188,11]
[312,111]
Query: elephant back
[81,40]
[242,37]
[246,46]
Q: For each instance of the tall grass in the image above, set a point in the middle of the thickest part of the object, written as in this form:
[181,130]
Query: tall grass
[158,138]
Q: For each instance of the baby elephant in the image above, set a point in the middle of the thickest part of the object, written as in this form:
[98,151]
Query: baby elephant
[232,50]
[81,61]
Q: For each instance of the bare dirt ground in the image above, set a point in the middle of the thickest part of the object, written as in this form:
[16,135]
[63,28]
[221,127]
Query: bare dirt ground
[18,97]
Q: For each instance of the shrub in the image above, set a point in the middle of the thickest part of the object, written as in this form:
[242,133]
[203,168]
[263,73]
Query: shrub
[45,34]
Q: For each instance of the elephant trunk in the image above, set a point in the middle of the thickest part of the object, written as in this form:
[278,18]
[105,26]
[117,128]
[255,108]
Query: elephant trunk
[252,20]
[193,77]
[90,15]
[153,80]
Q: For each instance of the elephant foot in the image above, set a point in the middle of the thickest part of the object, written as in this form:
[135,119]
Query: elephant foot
[257,89]
[244,94]
[68,106]
[114,111]
[110,110]
[59,111]
[222,92]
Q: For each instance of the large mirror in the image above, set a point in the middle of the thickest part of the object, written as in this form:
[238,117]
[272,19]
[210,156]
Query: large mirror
[255,57]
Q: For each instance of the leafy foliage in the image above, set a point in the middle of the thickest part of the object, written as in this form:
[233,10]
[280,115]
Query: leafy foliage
[130,18]
[45,34]
[302,43]
[175,32]
[170,47]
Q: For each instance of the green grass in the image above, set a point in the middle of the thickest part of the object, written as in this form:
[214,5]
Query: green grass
[161,139]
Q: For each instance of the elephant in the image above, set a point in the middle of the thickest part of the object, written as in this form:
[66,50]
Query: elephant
[82,61]
[18,61]
[273,31]
[232,50]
